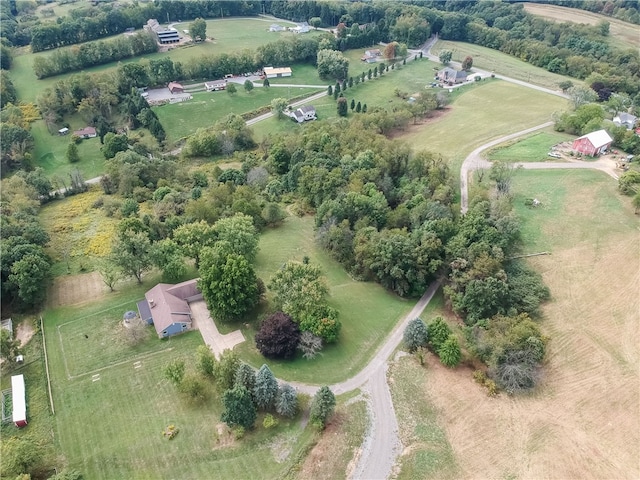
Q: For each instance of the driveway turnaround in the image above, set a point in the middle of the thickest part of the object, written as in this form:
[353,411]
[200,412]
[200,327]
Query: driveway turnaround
[217,342]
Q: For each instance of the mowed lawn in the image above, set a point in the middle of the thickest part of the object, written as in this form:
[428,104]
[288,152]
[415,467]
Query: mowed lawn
[533,148]
[481,114]
[501,63]
[367,312]
[110,421]
[206,108]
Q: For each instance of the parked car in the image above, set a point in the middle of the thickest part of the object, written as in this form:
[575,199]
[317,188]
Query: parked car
[554,155]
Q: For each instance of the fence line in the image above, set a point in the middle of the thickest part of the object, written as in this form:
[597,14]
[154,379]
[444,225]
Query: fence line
[46,366]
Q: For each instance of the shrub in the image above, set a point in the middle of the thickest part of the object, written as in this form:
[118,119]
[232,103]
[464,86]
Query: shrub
[269,421]
[438,332]
[449,353]
[309,345]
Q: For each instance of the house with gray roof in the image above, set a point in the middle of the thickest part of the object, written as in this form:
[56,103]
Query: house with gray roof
[166,307]
[624,119]
[450,76]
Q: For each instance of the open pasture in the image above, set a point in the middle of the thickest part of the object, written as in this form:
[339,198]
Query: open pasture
[621,34]
[501,63]
[533,148]
[480,114]
[583,420]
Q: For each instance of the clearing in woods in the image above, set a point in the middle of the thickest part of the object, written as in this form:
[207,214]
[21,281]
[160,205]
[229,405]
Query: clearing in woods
[583,421]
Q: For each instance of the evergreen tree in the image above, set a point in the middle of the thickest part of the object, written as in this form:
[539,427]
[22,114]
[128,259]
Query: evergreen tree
[266,388]
[239,408]
[415,334]
[358,107]
[353,103]
[329,90]
[364,108]
[287,401]
[343,107]
[350,82]
[322,406]
[245,377]
[266,83]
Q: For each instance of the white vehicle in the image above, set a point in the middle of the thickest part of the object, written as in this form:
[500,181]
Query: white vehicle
[554,155]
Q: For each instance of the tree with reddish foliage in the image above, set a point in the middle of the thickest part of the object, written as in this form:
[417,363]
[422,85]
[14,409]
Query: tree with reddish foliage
[278,336]
[467,63]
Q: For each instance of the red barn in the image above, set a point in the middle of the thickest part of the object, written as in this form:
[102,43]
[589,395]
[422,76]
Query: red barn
[593,144]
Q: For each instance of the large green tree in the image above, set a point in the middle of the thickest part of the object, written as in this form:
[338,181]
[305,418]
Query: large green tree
[240,233]
[198,30]
[299,288]
[228,283]
[194,237]
[131,252]
[332,64]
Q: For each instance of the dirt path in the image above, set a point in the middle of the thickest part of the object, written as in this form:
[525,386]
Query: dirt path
[24,332]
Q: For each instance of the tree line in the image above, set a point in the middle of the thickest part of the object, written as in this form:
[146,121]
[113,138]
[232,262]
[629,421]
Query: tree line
[94,53]
[91,22]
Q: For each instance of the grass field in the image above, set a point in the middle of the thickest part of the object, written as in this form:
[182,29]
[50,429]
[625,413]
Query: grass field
[501,63]
[530,149]
[621,34]
[427,452]
[583,420]
[206,108]
[367,311]
[480,114]
[109,426]
[50,151]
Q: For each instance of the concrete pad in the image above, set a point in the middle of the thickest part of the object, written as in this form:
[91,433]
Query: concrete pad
[217,343]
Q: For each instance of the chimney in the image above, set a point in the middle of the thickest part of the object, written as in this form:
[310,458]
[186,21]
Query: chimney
[152,303]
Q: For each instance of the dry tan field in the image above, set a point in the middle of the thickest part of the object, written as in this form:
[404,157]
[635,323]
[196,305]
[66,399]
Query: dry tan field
[583,421]
[626,34]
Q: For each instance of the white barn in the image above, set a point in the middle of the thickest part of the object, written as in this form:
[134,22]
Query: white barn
[18,401]
[271,72]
